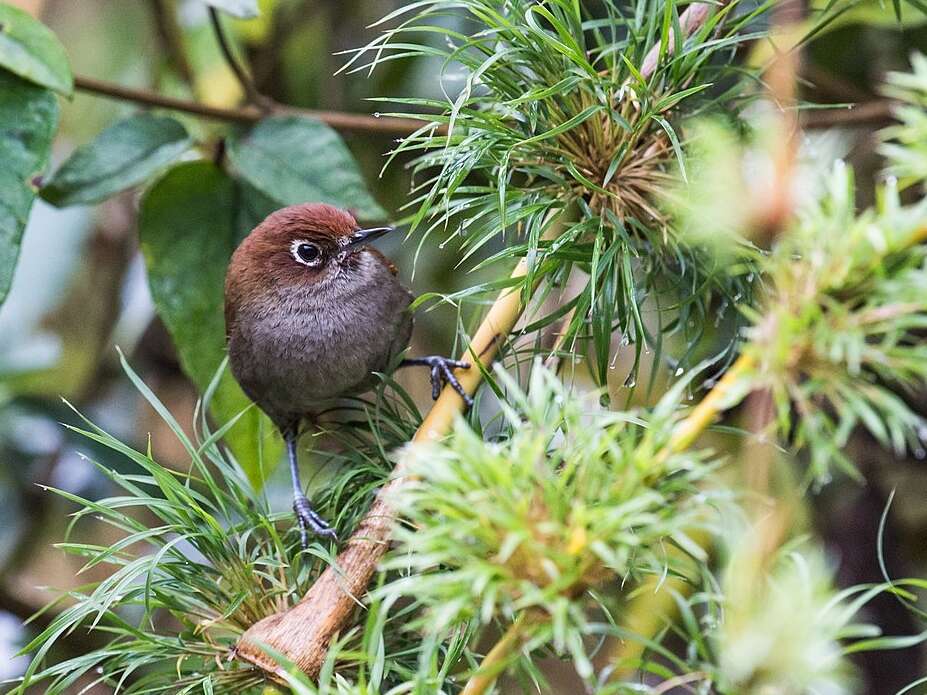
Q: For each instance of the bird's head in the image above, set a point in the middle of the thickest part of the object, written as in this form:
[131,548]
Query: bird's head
[308,245]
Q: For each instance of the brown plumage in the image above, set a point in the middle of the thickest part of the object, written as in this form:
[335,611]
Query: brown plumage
[311,312]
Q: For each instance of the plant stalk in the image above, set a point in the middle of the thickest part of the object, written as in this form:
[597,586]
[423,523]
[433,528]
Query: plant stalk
[339,120]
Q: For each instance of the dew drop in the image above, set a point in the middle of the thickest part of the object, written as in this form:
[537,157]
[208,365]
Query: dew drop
[376,114]
[919,453]
[679,371]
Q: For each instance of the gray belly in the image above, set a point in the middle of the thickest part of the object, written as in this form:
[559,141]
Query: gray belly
[290,357]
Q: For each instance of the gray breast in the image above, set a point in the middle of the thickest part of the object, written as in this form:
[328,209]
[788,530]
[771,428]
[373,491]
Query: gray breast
[293,349]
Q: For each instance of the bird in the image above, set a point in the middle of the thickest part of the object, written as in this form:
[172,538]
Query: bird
[312,312]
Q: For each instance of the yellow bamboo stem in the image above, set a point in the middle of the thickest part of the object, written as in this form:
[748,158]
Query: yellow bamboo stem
[704,414]
[497,658]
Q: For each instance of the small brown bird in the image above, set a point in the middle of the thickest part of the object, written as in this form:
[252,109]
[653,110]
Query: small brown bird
[311,311]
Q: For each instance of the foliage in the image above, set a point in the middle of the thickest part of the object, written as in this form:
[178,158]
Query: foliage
[564,138]
[906,143]
[124,155]
[200,196]
[32,51]
[265,157]
[591,130]
[565,498]
[211,559]
[841,324]
[28,116]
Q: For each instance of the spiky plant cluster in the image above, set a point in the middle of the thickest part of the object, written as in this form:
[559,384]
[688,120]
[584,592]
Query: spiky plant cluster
[837,342]
[774,622]
[200,558]
[906,143]
[835,335]
[567,498]
[566,110]
[782,623]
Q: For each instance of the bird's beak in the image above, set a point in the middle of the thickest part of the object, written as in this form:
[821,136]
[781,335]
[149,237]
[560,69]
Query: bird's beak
[362,237]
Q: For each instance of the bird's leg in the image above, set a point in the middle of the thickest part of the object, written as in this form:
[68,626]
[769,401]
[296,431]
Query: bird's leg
[305,514]
[441,373]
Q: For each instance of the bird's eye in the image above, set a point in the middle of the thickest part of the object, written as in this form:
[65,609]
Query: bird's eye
[306,252]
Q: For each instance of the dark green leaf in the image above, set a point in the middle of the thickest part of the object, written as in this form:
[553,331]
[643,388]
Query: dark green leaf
[122,156]
[243,9]
[29,49]
[294,159]
[28,119]
[189,226]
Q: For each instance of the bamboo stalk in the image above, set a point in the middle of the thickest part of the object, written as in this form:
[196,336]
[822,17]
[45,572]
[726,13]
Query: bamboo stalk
[304,632]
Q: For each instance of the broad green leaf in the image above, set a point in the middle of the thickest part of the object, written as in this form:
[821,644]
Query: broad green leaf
[31,50]
[294,159]
[28,119]
[243,9]
[189,226]
[122,156]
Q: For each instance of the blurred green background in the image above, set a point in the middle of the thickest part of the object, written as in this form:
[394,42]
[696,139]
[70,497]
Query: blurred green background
[80,287]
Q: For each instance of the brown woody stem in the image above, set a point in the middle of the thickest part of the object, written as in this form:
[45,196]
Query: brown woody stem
[339,120]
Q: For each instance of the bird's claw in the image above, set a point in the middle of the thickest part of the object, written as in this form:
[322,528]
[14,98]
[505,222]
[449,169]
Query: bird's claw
[308,519]
[442,372]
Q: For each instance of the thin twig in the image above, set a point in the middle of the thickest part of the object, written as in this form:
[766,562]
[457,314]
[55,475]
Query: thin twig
[339,120]
[870,113]
[684,679]
[171,37]
[244,79]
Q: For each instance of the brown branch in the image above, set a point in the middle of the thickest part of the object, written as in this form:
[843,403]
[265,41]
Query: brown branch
[498,657]
[870,113]
[339,120]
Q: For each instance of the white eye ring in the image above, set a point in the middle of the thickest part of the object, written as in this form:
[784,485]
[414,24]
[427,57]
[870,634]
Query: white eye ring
[306,253]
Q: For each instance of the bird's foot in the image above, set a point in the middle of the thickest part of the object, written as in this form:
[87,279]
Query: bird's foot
[310,521]
[442,372]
